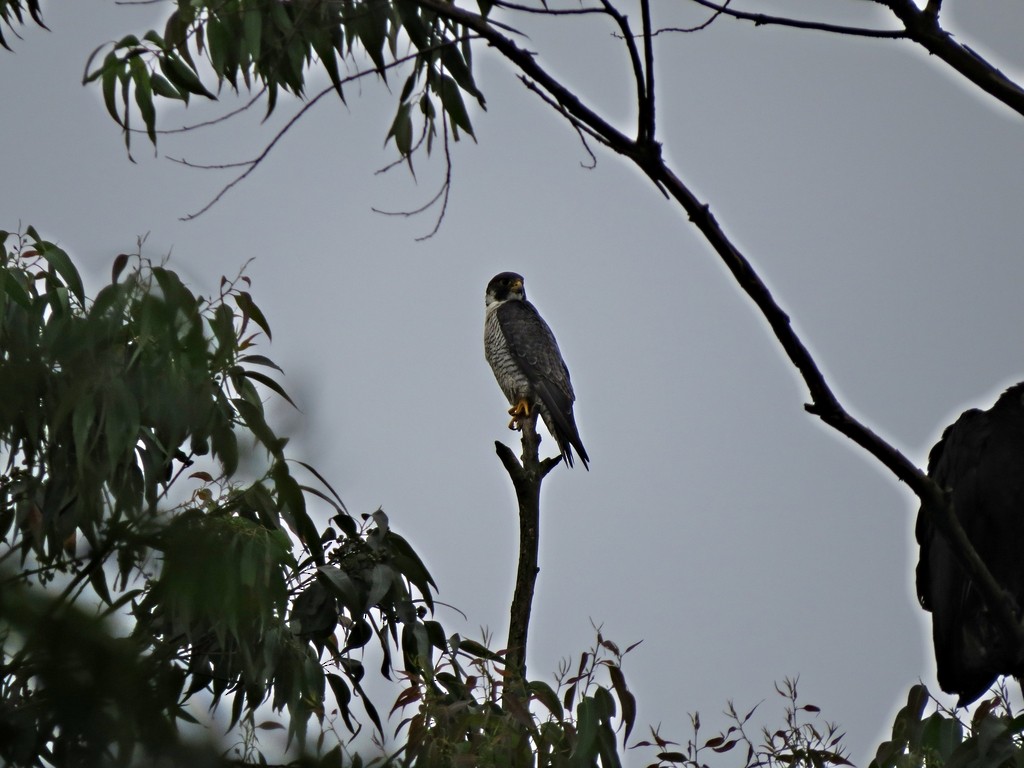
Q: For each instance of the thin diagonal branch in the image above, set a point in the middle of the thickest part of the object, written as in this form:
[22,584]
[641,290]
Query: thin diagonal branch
[763,19]
[258,160]
[922,26]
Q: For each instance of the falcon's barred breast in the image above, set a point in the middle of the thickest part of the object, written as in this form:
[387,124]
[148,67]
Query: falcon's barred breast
[524,356]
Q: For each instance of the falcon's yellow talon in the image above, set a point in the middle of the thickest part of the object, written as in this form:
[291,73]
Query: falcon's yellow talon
[520,409]
[517,412]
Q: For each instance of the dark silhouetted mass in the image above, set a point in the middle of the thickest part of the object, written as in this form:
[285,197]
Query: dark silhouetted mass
[524,356]
[980,460]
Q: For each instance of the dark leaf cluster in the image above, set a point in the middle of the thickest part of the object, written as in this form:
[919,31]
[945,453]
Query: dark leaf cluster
[12,15]
[992,737]
[469,709]
[141,576]
[802,740]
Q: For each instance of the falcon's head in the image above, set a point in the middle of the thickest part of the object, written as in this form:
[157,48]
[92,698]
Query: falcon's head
[507,285]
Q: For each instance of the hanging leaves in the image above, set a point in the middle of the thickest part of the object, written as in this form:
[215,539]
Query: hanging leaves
[275,46]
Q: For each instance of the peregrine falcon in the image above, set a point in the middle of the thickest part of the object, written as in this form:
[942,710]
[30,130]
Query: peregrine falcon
[526,362]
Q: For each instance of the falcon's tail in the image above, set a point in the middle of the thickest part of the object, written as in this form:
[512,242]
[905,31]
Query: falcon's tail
[562,426]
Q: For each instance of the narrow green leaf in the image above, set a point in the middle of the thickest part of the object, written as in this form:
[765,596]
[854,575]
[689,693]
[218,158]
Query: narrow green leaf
[124,599]
[252,23]
[223,326]
[260,360]
[98,579]
[270,384]
[176,29]
[14,290]
[225,448]
[61,262]
[410,83]
[220,46]
[543,693]
[360,634]
[271,99]
[163,87]
[626,700]
[344,588]
[144,96]
[380,583]
[325,52]
[323,480]
[371,711]
[182,75]
[473,648]
[452,61]
[81,429]
[401,130]
[109,72]
[371,25]
[451,100]
[124,77]
[412,21]
[253,417]
[260,500]
[409,565]
[585,751]
[252,312]
[291,499]
[121,421]
[120,262]
[128,41]
[321,495]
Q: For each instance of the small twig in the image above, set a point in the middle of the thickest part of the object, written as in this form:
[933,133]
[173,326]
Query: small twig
[442,193]
[698,27]
[254,163]
[206,123]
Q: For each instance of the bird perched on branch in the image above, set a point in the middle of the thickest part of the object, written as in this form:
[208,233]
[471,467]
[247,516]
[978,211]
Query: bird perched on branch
[980,462]
[526,361]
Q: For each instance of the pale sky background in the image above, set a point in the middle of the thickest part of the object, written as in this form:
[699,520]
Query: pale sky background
[742,541]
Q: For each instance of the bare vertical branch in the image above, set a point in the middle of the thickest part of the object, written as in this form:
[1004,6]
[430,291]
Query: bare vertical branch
[526,479]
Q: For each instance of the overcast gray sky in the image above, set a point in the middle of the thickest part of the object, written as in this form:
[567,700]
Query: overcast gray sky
[743,542]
